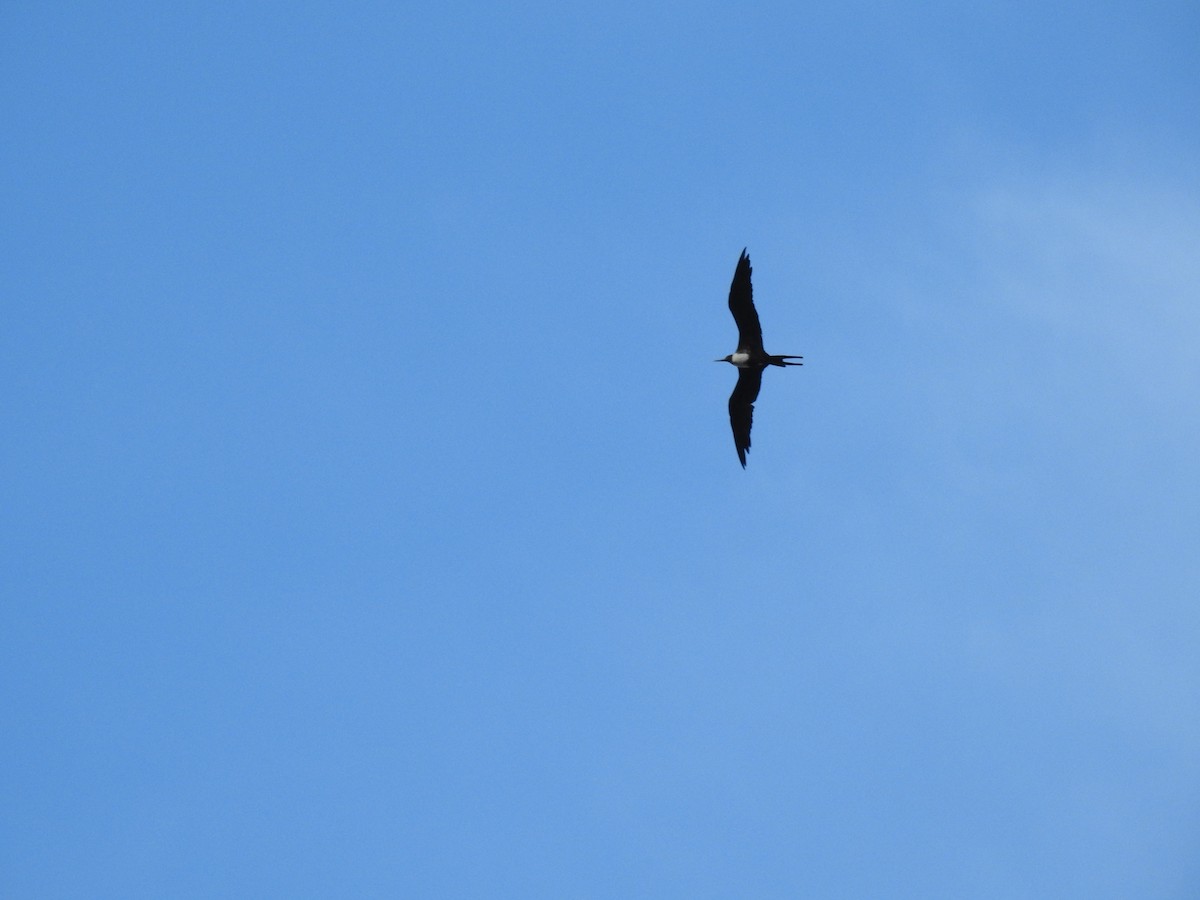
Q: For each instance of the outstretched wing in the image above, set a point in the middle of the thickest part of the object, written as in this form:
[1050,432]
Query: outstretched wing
[741,408]
[741,304]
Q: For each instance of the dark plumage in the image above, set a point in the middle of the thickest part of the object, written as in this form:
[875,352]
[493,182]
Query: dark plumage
[750,357]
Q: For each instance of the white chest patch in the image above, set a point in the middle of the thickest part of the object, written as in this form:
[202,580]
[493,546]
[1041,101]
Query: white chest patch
[740,359]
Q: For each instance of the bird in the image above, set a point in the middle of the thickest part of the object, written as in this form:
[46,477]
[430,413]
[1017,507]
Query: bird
[750,357]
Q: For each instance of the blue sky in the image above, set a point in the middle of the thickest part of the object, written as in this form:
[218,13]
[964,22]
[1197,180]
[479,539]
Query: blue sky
[371,523]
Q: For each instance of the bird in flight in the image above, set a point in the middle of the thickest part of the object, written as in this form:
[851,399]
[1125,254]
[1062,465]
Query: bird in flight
[750,357]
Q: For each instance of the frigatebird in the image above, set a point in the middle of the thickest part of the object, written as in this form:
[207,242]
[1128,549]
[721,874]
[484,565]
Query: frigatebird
[750,357]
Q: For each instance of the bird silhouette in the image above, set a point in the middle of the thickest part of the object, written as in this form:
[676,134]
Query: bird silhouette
[750,357]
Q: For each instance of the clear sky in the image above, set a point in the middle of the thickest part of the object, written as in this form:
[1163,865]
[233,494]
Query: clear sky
[370,523]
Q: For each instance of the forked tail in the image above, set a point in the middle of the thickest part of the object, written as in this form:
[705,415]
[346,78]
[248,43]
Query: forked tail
[783,361]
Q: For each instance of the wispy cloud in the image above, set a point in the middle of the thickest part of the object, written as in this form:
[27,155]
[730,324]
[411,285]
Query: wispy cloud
[1111,263]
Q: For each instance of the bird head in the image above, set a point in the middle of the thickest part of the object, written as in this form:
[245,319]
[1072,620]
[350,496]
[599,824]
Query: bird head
[728,359]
